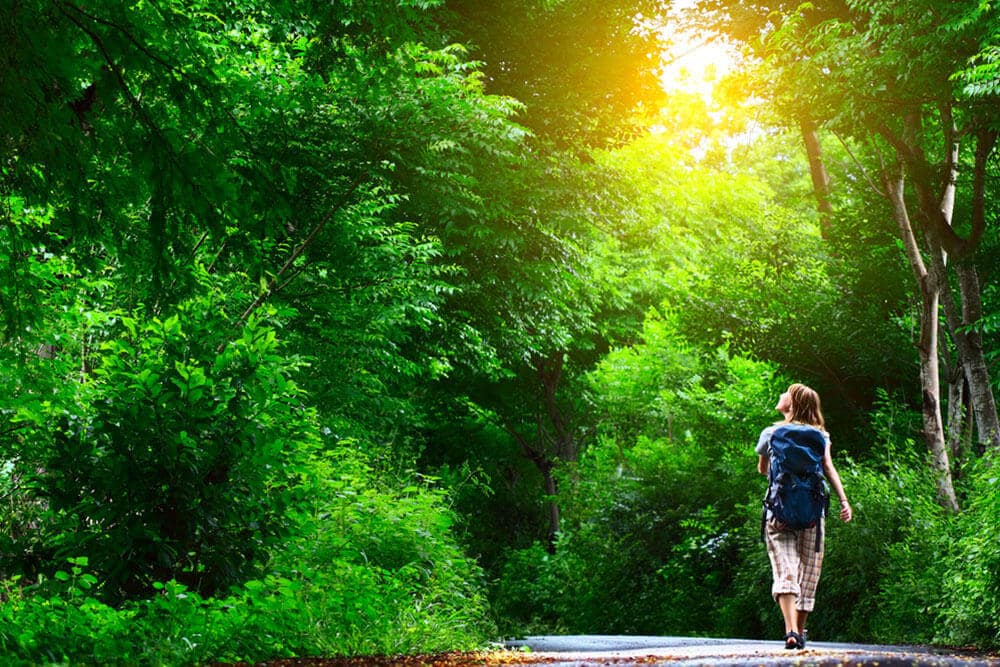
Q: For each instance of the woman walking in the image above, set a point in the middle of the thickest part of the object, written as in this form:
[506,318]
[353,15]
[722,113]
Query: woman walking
[796,552]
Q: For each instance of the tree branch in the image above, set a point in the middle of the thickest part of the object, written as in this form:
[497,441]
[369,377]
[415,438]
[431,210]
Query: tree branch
[272,285]
[985,142]
[950,176]
[929,211]
[872,184]
[111,24]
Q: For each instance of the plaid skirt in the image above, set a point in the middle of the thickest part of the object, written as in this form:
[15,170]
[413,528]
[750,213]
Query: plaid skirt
[795,563]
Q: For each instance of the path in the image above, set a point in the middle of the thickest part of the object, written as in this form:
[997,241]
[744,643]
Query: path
[580,651]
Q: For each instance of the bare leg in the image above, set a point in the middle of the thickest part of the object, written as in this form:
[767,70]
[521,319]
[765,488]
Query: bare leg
[787,603]
[802,616]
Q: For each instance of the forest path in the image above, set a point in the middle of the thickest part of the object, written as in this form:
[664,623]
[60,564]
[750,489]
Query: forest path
[583,650]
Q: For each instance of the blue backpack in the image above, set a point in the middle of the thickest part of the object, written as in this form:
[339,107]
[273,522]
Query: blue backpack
[796,493]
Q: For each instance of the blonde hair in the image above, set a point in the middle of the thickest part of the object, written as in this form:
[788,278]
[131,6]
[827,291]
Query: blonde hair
[805,406]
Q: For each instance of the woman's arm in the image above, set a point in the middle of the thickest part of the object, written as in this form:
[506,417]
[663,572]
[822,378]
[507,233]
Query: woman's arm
[846,513]
[763,450]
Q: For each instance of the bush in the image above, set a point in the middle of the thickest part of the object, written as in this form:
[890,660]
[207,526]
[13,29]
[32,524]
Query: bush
[368,571]
[648,546]
[662,519]
[175,457]
[658,507]
[530,596]
[970,589]
[874,581]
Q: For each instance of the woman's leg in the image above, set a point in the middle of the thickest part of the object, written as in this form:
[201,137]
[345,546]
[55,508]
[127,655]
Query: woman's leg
[782,549]
[787,603]
[800,622]
[810,564]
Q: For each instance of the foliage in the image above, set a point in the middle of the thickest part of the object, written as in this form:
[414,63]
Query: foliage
[866,561]
[970,601]
[175,456]
[368,570]
[264,172]
[654,548]
[305,305]
[643,517]
[584,68]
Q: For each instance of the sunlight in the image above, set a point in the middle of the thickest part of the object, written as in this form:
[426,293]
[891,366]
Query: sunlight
[693,63]
[695,66]
[707,103]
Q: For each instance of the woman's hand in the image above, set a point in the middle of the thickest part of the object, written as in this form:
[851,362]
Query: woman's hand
[846,513]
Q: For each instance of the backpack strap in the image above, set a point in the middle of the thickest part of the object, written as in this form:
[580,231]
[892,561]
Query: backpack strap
[819,525]
[763,514]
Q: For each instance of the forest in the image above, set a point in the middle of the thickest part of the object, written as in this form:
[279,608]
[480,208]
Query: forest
[355,327]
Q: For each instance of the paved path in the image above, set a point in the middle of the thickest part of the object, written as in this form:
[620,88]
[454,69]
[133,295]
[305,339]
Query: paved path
[584,650]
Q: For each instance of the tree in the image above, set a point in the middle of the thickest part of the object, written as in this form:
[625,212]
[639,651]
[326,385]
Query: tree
[881,74]
[585,69]
[528,285]
[172,460]
[297,165]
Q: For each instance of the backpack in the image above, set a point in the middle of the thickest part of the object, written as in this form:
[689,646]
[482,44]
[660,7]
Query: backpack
[796,492]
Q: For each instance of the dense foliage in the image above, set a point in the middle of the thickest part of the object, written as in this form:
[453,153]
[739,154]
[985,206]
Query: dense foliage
[383,327]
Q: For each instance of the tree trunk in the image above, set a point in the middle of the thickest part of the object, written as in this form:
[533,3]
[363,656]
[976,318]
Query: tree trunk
[927,347]
[931,395]
[820,177]
[551,490]
[955,426]
[968,342]
[553,441]
[970,346]
[558,437]
[546,465]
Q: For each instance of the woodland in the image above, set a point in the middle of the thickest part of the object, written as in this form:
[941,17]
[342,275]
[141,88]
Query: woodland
[356,327]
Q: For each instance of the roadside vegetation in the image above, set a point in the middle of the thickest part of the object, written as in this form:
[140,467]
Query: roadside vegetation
[357,328]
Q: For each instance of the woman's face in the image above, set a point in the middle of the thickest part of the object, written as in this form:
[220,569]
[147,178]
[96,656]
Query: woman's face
[784,405]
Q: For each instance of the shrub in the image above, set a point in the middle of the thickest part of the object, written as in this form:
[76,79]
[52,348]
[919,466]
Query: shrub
[367,570]
[649,545]
[175,457]
[657,508]
[970,588]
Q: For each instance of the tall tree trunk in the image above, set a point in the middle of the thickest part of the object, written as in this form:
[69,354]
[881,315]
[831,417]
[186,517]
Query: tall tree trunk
[551,489]
[929,288]
[558,436]
[820,177]
[970,343]
[927,347]
[967,340]
[957,417]
[553,441]
[546,464]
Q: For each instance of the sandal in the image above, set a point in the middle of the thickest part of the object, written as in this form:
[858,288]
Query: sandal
[793,641]
[803,637]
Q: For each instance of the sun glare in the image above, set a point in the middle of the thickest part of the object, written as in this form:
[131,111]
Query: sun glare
[692,64]
[706,103]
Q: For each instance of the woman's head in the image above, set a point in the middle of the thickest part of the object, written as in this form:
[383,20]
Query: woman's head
[801,405]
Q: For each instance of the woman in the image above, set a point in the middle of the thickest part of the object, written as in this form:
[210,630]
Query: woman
[797,555]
